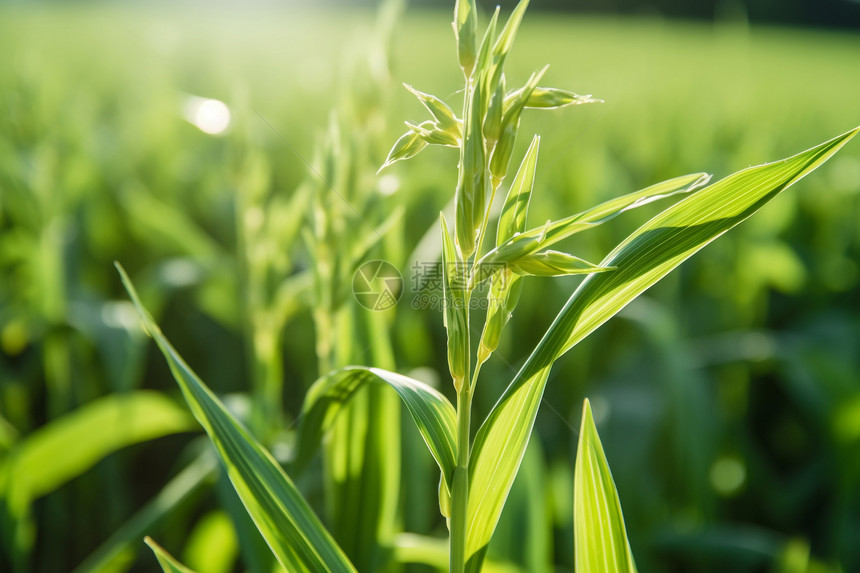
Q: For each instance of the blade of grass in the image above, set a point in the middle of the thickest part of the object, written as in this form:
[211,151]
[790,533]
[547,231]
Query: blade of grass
[556,231]
[432,413]
[600,539]
[168,563]
[642,259]
[289,525]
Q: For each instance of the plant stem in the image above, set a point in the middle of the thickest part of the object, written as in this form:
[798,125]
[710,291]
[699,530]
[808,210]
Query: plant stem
[485,223]
[460,489]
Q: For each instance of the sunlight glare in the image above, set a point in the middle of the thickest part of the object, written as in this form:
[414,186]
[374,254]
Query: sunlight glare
[210,116]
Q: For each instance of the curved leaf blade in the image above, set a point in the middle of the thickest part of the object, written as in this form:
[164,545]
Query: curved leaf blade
[516,207]
[68,446]
[679,232]
[169,564]
[642,259]
[600,538]
[288,524]
[432,413]
[555,231]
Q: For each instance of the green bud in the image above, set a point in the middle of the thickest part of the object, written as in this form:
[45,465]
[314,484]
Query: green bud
[502,300]
[553,98]
[456,317]
[466,31]
[510,124]
[493,120]
[432,134]
[440,111]
[471,196]
[514,249]
[409,145]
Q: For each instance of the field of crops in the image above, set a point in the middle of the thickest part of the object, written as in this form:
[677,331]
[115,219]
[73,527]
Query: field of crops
[727,397]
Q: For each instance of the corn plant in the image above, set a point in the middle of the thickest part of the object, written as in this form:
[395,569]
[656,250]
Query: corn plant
[477,471]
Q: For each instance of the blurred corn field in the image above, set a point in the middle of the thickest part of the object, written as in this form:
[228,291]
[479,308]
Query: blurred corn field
[228,159]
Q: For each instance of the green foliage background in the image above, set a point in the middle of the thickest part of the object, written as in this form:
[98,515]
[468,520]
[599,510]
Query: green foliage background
[727,398]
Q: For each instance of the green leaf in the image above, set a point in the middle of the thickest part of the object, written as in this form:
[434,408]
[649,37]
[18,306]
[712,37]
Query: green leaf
[533,240]
[286,521]
[485,51]
[68,446]
[433,414]
[680,231]
[642,259]
[510,125]
[504,43]
[505,289]
[554,264]
[168,563]
[600,539]
[516,207]
[509,32]
[471,195]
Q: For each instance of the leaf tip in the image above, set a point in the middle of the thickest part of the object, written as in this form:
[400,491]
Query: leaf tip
[587,416]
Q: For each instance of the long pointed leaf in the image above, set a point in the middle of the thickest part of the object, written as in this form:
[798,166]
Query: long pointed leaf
[168,563]
[642,259]
[503,44]
[555,231]
[289,525]
[432,413]
[600,539]
[516,207]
